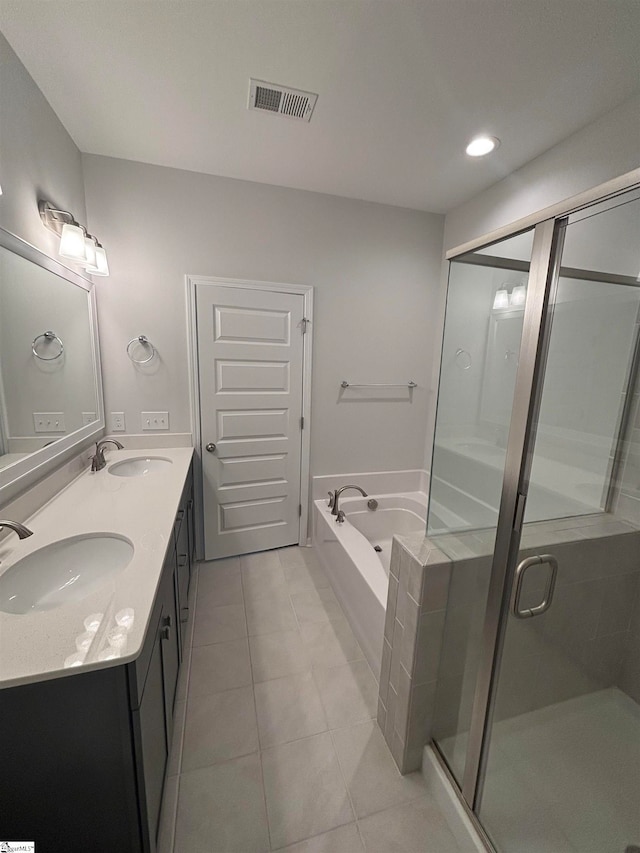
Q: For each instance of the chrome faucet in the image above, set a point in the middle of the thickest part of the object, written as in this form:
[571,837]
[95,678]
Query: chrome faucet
[334,507]
[18,528]
[98,461]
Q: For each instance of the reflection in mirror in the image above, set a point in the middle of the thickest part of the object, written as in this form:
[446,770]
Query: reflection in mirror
[49,385]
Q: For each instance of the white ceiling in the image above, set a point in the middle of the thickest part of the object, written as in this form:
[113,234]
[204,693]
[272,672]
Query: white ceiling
[402,85]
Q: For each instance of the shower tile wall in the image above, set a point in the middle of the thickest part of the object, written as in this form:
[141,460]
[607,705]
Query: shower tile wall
[588,640]
[418,590]
[584,642]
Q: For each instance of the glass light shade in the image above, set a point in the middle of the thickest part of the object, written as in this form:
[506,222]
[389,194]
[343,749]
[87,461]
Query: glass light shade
[518,295]
[102,267]
[501,299]
[90,255]
[72,243]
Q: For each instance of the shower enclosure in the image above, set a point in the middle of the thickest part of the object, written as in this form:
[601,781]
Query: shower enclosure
[535,498]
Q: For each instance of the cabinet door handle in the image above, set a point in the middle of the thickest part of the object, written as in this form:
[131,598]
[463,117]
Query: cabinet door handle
[165,632]
[180,515]
[184,614]
[182,560]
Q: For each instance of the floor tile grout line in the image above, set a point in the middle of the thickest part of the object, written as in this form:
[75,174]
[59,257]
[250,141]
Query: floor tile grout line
[343,777]
[221,762]
[255,711]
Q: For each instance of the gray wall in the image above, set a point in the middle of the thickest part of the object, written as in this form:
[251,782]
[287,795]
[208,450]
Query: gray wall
[38,158]
[603,150]
[375,270]
[599,152]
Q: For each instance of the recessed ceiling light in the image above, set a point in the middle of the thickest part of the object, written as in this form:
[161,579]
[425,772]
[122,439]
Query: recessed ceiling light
[481,145]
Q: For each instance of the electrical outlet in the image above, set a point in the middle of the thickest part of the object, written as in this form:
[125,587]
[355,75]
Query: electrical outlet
[48,421]
[117,421]
[88,418]
[155,420]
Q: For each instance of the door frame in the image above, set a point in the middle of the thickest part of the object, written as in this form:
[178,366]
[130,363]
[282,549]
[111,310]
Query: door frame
[548,225]
[304,290]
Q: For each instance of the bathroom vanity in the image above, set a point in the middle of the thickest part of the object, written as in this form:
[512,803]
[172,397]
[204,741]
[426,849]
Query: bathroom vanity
[90,675]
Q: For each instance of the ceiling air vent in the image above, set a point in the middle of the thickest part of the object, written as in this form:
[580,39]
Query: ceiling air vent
[281,100]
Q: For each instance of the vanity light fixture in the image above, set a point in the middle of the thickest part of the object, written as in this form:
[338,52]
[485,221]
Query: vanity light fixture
[518,295]
[76,244]
[510,298]
[501,299]
[482,145]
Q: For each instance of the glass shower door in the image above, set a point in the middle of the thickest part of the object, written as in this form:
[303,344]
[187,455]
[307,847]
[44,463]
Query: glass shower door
[483,330]
[560,767]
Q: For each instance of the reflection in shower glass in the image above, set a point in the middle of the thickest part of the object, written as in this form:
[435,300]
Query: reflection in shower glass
[485,311]
[479,362]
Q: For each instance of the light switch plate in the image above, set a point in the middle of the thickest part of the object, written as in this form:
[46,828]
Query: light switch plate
[88,418]
[48,421]
[155,420]
[117,422]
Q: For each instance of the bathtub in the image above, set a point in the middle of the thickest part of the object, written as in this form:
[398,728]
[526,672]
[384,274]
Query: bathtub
[358,573]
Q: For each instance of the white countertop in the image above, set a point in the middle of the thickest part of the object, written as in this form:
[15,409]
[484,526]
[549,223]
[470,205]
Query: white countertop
[34,646]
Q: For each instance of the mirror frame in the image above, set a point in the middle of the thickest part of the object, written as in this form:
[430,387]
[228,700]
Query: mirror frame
[24,472]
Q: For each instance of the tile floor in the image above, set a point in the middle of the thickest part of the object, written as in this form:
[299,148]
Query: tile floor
[275,744]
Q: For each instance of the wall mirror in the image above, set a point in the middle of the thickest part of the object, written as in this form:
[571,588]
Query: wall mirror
[50,382]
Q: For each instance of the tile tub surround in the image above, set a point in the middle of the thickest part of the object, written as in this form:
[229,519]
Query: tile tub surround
[585,642]
[279,748]
[414,625]
[34,646]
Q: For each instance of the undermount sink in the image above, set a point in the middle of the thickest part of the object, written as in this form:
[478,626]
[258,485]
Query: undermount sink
[139,466]
[63,572]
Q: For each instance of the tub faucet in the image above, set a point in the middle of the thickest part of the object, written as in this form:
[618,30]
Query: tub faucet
[338,492]
[98,461]
[18,528]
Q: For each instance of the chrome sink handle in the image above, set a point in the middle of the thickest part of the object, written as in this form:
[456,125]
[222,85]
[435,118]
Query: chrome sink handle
[340,516]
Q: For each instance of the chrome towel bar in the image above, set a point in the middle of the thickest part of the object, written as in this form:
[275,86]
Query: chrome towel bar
[409,384]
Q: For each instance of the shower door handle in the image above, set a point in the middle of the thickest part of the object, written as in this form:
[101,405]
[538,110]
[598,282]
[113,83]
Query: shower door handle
[521,570]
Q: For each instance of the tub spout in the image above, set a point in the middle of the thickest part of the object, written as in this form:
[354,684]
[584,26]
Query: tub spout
[338,492]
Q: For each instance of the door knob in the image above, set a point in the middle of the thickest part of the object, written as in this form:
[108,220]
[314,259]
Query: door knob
[211,447]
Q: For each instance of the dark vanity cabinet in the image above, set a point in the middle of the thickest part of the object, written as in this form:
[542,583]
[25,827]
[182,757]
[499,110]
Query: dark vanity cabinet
[83,757]
[183,537]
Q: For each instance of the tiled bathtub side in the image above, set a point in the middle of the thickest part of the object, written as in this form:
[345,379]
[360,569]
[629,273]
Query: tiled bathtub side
[414,625]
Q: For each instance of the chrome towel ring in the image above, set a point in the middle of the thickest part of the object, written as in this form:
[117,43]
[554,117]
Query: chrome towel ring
[144,341]
[47,337]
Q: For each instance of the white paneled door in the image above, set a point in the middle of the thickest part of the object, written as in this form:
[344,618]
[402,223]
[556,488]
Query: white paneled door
[250,364]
